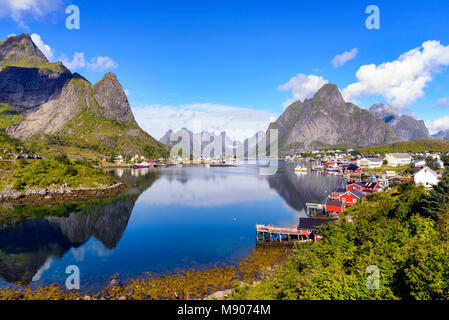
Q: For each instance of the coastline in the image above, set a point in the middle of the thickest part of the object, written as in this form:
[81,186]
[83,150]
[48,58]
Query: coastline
[60,195]
[213,283]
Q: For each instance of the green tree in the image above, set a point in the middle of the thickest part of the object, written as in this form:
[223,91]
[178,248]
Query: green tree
[445,159]
[432,163]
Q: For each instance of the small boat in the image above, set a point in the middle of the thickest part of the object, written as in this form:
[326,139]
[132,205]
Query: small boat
[300,169]
[317,168]
[141,165]
[333,172]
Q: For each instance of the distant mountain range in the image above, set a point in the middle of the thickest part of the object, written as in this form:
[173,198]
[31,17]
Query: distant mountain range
[205,142]
[327,120]
[46,107]
[443,134]
[406,127]
[64,111]
[208,140]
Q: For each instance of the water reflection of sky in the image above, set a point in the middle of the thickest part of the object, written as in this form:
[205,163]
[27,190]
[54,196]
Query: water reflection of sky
[184,218]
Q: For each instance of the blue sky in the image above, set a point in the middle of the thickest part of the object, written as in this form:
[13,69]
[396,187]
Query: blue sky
[226,62]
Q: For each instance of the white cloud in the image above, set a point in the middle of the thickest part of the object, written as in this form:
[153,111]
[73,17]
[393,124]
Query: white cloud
[340,59]
[18,10]
[443,102]
[239,123]
[97,64]
[402,81]
[438,124]
[45,48]
[302,87]
[78,61]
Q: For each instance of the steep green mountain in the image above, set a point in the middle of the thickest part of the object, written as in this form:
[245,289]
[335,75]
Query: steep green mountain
[63,112]
[407,128]
[327,120]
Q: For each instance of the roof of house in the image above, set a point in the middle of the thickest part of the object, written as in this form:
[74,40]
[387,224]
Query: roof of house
[370,185]
[359,194]
[311,223]
[374,159]
[400,155]
[340,190]
[333,202]
[427,169]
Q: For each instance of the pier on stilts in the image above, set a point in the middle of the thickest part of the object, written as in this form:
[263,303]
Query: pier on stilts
[273,233]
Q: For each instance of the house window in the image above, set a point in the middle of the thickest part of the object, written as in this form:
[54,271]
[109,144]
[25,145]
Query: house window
[354,201]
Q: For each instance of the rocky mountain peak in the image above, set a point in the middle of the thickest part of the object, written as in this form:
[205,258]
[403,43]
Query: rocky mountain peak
[329,95]
[20,50]
[166,137]
[406,127]
[112,98]
[442,134]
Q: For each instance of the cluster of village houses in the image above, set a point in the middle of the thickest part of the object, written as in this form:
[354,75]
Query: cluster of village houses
[342,198]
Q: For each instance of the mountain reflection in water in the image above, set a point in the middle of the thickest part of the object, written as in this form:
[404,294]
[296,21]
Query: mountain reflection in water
[168,219]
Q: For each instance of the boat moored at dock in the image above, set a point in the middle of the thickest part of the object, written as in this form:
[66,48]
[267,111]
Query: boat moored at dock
[300,169]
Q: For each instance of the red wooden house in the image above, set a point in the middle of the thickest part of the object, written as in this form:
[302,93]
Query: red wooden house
[306,227]
[338,192]
[351,197]
[356,185]
[354,169]
[334,206]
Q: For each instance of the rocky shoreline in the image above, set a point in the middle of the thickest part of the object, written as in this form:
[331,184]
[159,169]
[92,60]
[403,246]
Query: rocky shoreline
[60,195]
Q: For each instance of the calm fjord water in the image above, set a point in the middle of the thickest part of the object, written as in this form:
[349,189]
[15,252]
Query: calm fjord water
[170,219]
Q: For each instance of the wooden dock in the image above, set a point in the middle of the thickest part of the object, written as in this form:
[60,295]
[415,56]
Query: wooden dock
[273,233]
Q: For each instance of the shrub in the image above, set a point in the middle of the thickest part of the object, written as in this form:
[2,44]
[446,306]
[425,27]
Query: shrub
[19,185]
[62,158]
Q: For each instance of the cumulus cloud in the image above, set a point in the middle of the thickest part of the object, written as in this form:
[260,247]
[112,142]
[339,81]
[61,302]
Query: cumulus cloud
[438,124]
[45,48]
[402,81]
[239,123]
[100,64]
[19,10]
[302,87]
[340,59]
[78,61]
[97,64]
[443,102]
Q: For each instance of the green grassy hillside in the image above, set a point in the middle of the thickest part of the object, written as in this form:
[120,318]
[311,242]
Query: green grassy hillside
[408,146]
[403,234]
[23,175]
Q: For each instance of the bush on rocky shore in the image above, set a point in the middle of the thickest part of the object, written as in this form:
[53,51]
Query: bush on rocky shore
[22,176]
